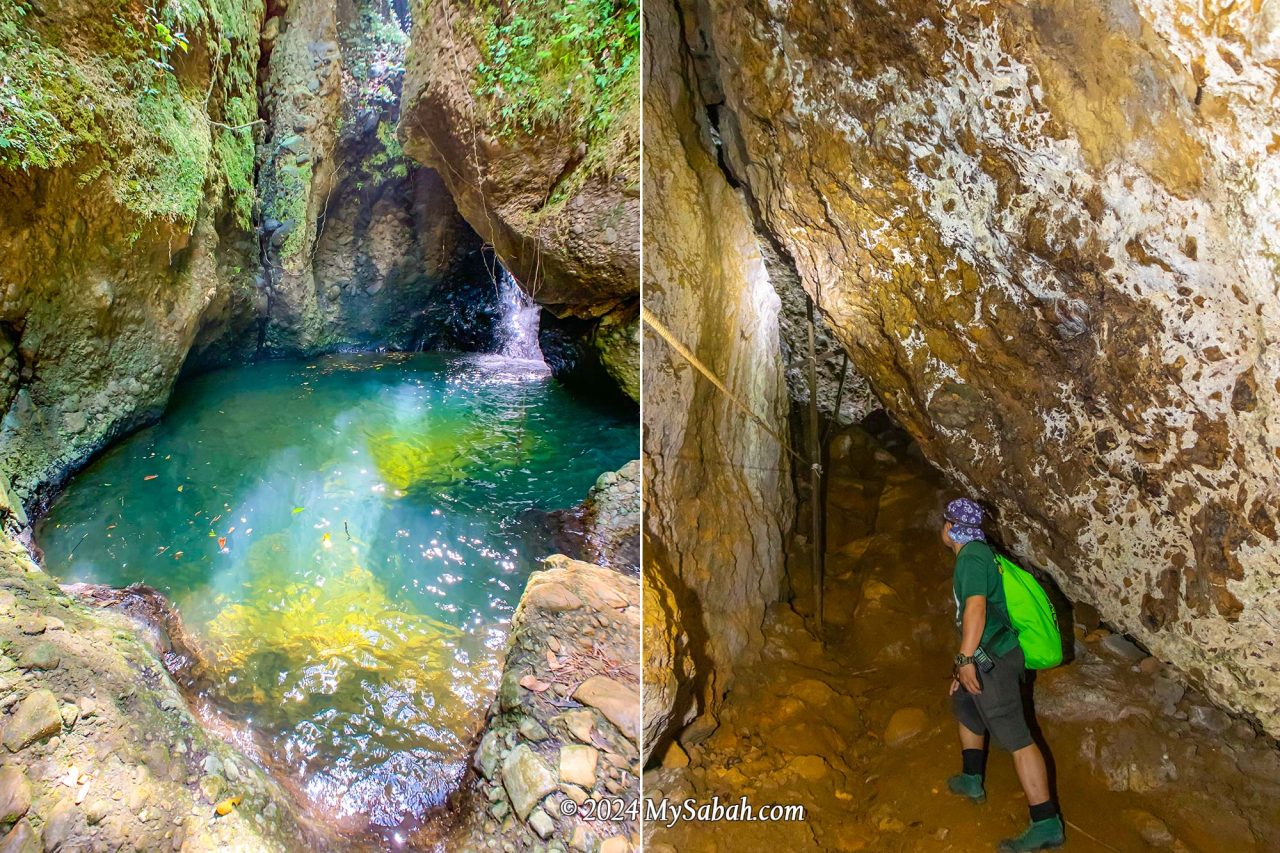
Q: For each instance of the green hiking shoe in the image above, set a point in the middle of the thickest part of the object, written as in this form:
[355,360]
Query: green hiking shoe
[967,785]
[1040,835]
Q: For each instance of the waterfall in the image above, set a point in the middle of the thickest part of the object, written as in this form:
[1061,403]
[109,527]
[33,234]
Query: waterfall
[518,327]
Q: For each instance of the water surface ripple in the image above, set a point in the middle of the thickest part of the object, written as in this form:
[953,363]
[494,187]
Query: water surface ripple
[340,535]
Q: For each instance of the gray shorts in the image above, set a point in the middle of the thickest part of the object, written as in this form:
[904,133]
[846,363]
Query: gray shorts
[998,708]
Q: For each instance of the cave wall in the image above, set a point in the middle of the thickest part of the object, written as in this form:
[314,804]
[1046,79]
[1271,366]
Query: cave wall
[1047,232]
[557,197]
[717,487]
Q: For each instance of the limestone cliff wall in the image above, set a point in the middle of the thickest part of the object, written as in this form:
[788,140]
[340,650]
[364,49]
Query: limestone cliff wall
[556,194]
[1047,232]
[717,486]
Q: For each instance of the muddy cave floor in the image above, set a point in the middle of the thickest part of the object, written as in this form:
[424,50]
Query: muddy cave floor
[861,732]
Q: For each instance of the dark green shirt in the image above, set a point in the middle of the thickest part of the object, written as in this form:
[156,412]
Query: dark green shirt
[976,574]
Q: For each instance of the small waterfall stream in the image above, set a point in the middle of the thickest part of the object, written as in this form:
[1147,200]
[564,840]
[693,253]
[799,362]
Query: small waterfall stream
[519,323]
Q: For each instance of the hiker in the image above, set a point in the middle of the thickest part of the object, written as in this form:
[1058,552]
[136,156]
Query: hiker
[986,693]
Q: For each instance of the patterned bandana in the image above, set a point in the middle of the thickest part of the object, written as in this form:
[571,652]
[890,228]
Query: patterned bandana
[966,520]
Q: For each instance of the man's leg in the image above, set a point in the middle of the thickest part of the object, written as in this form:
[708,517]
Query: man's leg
[968,782]
[1033,775]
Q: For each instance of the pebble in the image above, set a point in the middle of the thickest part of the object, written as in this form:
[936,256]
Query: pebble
[21,839]
[95,810]
[542,823]
[578,765]
[36,717]
[675,757]
[532,730]
[1208,718]
[527,779]
[1153,830]
[41,656]
[32,626]
[574,793]
[15,794]
[1150,665]
[905,724]
[616,844]
[60,826]
[619,704]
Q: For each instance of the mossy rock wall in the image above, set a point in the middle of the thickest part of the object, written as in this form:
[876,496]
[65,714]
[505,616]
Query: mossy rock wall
[123,214]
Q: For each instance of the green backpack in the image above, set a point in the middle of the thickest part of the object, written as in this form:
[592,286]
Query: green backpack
[1034,619]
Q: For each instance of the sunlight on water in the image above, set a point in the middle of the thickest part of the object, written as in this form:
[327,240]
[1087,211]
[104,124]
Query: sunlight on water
[341,535]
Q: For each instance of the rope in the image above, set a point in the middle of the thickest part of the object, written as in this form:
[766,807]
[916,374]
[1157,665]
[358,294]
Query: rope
[666,334]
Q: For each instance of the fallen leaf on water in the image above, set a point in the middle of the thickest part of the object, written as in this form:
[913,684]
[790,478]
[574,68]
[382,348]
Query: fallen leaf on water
[151,476]
[531,682]
[179,488]
[297,509]
[177,554]
[112,526]
[226,806]
[222,541]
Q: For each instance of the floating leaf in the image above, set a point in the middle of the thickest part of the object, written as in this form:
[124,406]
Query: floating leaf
[179,488]
[226,806]
[222,541]
[297,509]
[150,476]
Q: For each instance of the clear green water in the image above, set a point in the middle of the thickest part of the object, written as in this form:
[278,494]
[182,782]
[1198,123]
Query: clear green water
[341,535]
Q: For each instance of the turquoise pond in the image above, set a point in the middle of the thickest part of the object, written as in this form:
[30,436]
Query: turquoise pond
[342,537]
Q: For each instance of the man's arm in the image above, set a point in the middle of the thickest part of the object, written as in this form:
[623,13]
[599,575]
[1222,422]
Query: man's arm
[971,625]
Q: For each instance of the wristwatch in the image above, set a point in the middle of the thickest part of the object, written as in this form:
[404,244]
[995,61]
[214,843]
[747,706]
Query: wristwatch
[963,660]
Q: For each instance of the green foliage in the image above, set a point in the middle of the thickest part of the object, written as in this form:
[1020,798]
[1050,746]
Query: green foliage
[115,107]
[165,38]
[374,66]
[41,122]
[558,62]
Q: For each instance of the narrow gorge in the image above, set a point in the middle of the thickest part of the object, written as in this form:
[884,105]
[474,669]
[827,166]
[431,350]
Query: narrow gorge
[298,392]
[1045,235]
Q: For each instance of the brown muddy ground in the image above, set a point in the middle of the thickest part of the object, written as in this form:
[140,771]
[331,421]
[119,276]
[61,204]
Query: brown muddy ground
[861,732]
